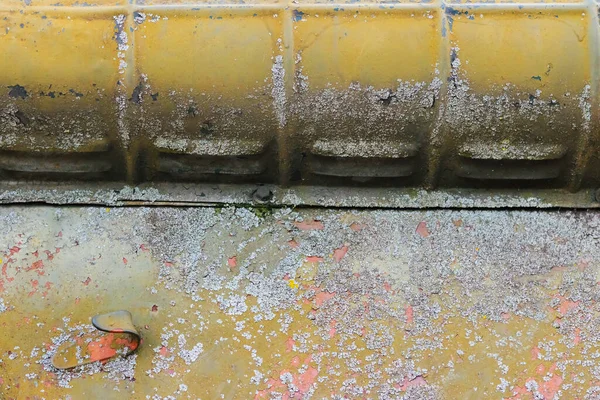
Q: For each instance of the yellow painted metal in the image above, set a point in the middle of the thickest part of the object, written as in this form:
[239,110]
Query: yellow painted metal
[138,82]
[549,51]
[371,47]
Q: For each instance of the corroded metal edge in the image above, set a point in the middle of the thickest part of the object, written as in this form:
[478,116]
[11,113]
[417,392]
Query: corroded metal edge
[192,195]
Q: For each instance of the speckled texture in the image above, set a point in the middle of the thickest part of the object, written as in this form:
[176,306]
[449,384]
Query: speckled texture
[295,303]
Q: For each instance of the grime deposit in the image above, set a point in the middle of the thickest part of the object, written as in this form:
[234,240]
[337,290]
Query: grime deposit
[243,303]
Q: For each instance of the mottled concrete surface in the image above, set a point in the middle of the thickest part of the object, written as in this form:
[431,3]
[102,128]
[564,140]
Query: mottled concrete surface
[239,303]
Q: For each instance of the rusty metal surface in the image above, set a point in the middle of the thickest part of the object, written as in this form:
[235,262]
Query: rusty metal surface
[403,94]
[241,303]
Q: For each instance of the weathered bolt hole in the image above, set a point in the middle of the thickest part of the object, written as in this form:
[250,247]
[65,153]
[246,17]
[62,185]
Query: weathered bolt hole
[597,195]
[207,127]
[386,99]
[136,96]
[262,194]
[23,119]
[192,111]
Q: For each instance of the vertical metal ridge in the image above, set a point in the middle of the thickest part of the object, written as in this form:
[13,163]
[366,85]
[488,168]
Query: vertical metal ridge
[583,151]
[285,132]
[130,149]
[437,137]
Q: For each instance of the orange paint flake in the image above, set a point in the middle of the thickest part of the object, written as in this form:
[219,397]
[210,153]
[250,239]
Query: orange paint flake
[314,259]
[338,254]
[289,344]
[422,229]
[322,297]
[34,285]
[124,341]
[409,313]
[143,247]
[416,381]
[232,261]
[102,349]
[36,253]
[124,261]
[305,380]
[357,227]
[567,306]
[309,225]
[87,281]
[577,338]
[540,369]
[164,352]
[549,388]
[36,266]
[49,254]
[332,329]
[295,361]
[47,285]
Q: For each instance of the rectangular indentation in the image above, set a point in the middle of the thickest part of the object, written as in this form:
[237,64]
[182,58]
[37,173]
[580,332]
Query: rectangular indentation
[361,167]
[508,169]
[54,164]
[189,167]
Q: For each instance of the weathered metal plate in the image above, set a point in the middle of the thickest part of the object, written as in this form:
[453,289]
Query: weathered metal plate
[416,95]
[241,303]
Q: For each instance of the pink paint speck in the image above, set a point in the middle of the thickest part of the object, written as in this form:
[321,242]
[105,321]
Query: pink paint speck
[357,227]
[322,297]
[577,338]
[422,229]
[417,381]
[409,313]
[289,344]
[332,329]
[338,254]
[309,225]
[549,388]
[305,380]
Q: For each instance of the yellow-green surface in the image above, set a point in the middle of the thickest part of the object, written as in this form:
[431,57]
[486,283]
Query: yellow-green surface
[240,304]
